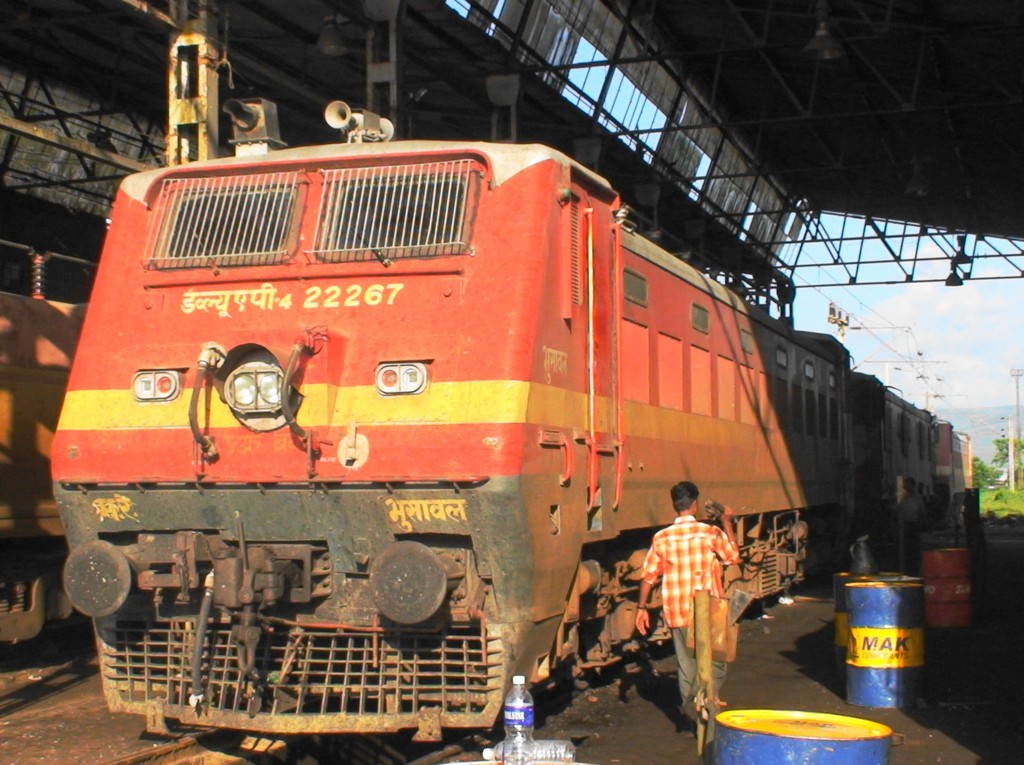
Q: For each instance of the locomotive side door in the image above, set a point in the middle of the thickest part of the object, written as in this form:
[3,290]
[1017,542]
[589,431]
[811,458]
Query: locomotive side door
[596,304]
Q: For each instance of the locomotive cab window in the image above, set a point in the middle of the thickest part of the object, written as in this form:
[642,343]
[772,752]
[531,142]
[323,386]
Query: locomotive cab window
[226,221]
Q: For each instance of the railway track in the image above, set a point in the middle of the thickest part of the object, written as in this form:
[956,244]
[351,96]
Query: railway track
[228,748]
[210,749]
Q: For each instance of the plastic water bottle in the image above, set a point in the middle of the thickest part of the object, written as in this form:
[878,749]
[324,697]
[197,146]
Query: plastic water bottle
[552,751]
[518,714]
[543,750]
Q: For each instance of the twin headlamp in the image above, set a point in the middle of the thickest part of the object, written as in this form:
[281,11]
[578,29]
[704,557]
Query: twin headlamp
[254,387]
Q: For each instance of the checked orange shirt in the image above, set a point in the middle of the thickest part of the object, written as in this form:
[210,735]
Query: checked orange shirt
[687,556]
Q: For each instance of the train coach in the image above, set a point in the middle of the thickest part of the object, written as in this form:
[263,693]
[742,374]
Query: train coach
[356,432]
[37,343]
[954,471]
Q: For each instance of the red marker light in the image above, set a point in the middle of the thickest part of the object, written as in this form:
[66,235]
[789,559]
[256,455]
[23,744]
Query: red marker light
[156,385]
[401,378]
[164,385]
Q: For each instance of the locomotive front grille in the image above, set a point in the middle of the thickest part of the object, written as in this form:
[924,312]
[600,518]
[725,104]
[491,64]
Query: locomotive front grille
[225,221]
[316,671]
[400,211]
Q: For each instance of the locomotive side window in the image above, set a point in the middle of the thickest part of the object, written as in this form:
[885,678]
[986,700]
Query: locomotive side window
[822,415]
[226,221]
[400,211]
[747,342]
[634,287]
[782,357]
[700,318]
[670,372]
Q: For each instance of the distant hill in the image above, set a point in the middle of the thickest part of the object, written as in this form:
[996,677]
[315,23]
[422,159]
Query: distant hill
[984,425]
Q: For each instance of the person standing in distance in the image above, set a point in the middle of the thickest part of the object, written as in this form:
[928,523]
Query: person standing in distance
[911,515]
[687,556]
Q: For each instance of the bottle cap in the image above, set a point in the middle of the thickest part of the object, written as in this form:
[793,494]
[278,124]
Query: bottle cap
[519,680]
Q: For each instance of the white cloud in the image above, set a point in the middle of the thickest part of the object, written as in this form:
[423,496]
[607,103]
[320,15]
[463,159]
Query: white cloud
[958,350]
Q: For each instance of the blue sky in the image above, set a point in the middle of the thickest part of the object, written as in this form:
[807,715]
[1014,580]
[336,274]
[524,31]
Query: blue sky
[950,349]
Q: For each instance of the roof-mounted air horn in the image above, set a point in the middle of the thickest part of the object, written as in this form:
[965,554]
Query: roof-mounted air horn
[362,127]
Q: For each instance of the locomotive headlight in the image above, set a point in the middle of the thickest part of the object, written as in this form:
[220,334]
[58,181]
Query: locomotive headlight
[243,390]
[251,382]
[254,387]
[269,384]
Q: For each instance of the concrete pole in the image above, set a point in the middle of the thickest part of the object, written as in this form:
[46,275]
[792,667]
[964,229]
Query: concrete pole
[1016,375]
[1012,461]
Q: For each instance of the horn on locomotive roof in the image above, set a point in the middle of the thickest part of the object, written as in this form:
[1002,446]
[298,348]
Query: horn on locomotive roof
[254,124]
[363,127]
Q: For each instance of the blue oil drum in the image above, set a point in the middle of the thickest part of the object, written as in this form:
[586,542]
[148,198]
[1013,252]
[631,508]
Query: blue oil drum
[780,737]
[885,652]
[841,617]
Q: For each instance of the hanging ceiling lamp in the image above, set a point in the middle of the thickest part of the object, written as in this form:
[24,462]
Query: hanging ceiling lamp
[331,42]
[823,46]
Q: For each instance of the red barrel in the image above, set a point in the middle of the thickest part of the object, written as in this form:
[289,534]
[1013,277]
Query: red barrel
[947,587]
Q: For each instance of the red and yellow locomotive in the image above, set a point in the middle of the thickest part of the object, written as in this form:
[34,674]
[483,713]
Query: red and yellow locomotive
[357,431]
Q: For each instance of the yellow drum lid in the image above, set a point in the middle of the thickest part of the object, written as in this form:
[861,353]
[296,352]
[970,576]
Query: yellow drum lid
[876,585]
[806,725]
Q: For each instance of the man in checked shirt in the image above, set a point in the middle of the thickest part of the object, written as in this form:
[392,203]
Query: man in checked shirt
[687,556]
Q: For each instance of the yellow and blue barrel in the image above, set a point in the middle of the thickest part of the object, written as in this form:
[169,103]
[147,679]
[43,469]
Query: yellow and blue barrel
[841,617]
[885,653]
[774,737]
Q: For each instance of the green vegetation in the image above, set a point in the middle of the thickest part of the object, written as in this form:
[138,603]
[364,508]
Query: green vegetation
[984,473]
[1002,455]
[1002,502]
